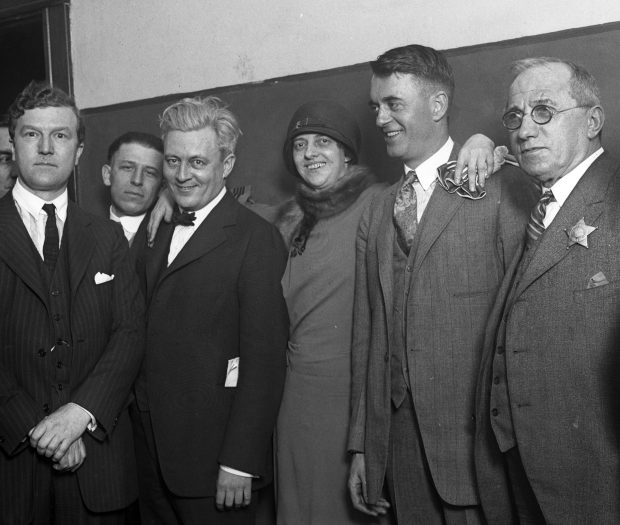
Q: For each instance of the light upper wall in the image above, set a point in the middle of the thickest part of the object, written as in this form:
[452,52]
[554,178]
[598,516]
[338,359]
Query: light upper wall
[126,50]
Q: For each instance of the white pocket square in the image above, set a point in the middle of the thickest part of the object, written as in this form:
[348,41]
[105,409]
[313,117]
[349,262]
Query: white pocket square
[101,278]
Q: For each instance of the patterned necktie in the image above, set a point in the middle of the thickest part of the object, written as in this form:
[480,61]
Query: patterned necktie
[535,226]
[183,218]
[406,212]
[51,243]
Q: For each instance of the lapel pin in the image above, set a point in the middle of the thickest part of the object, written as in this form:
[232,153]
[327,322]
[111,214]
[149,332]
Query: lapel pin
[578,234]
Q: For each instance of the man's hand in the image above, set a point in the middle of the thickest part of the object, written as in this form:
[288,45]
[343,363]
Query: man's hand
[74,457]
[232,491]
[161,211]
[477,156]
[357,489]
[55,433]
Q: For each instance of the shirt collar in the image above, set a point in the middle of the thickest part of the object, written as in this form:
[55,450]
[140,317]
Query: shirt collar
[201,214]
[131,223]
[565,185]
[29,202]
[427,171]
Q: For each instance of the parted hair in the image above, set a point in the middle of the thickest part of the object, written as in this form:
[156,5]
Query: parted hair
[191,114]
[425,63]
[135,137]
[42,95]
[583,86]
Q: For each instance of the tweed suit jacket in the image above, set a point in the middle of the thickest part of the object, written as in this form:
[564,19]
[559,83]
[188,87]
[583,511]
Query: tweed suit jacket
[106,322]
[454,269]
[220,299]
[560,328]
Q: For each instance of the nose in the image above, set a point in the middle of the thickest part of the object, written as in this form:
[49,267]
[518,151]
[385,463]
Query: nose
[528,128]
[310,150]
[46,146]
[137,177]
[383,116]
[183,172]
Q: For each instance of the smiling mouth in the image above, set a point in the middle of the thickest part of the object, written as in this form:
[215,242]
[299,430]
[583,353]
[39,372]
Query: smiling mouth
[315,165]
[526,151]
[184,189]
[391,134]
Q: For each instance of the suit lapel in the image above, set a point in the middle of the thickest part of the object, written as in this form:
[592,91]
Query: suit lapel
[80,243]
[586,200]
[208,236]
[17,248]
[385,249]
[157,257]
[439,211]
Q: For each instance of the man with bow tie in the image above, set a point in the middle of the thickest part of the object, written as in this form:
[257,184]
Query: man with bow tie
[217,328]
[549,397]
[71,333]
[431,256]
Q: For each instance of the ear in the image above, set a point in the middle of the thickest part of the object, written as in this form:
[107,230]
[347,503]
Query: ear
[106,174]
[596,119]
[439,105]
[78,153]
[229,163]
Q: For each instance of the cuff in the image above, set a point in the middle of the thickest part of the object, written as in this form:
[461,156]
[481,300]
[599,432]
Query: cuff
[237,472]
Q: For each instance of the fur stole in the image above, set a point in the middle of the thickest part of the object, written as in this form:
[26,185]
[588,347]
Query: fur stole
[298,216]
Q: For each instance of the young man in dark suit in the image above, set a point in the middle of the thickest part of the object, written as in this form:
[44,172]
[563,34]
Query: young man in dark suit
[134,175]
[429,264]
[217,327]
[71,333]
[548,395]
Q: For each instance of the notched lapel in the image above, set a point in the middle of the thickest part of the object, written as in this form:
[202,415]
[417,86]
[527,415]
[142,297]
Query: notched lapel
[587,201]
[18,250]
[385,247]
[156,257]
[80,244]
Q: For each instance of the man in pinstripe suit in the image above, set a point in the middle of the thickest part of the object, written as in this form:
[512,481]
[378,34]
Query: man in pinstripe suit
[71,333]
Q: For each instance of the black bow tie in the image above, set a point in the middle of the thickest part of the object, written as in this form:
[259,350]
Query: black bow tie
[183,218]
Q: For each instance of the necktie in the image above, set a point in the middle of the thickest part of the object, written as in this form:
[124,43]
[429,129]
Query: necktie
[51,243]
[535,226]
[406,212]
[183,218]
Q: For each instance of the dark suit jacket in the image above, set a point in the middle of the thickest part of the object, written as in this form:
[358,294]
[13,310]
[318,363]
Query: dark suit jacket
[454,270]
[221,298]
[561,338]
[108,336]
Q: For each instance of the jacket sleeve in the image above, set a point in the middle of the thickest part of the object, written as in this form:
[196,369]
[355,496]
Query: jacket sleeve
[361,339]
[263,334]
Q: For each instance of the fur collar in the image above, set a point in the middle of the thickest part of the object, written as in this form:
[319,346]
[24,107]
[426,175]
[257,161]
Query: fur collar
[298,216]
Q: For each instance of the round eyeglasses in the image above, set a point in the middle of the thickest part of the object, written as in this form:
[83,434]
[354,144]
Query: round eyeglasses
[540,114]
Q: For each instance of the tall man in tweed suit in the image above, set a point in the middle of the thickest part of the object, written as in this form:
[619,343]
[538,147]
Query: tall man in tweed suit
[548,403]
[429,263]
[71,333]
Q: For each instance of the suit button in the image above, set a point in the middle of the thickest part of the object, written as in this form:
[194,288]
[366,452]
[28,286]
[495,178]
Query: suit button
[386,357]
[57,317]
[59,386]
[496,380]
[46,408]
[500,350]
[55,293]
[41,352]
[409,268]
[494,411]
[59,364]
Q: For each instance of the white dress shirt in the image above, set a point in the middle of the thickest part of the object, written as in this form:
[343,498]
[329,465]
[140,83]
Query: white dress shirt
[130,224]
[427,175]
[182,234]
[565,185]
[34,217]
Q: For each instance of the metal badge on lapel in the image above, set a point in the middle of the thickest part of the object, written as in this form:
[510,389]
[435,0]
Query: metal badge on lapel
[578,234]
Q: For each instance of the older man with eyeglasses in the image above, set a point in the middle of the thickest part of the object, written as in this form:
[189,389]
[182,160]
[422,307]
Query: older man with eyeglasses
[548,399]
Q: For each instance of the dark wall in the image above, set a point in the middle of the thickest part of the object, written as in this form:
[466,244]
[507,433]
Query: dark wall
[264,109]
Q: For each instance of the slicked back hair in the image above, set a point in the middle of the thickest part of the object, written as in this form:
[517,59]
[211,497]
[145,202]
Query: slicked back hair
[425,63]
[42,95]
[135,137]
[191,114]
[582,87]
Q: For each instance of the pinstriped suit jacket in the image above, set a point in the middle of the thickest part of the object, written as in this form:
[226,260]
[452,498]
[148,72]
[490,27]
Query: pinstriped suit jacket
[454,270]
[561,337]
[107,328]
